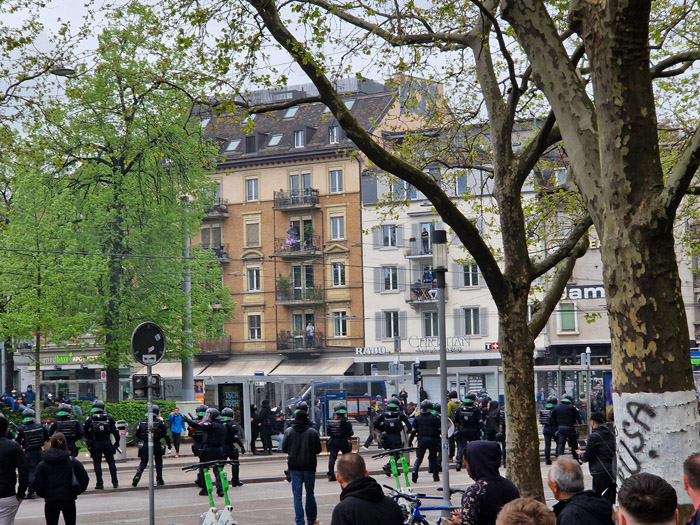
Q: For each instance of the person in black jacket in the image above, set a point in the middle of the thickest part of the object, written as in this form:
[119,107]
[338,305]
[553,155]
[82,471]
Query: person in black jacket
[265,420]
[427,427]
[141,437]
[576,506]
[362,501]
[97,429]
[564,416]
[53,481]
[302,444]
[468,426]
[600,455]
[339,431]
[549,430]
[213,445]
[12,467]
[393,424]
[67,426]
[32,436]
[233,437]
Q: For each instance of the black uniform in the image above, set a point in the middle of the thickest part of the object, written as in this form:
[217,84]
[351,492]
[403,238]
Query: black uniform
[197,435]
[141,436]
[427,427]
[549,432]
[212,447]
[70,428]
[339,431]
[564,416]
[391,424]
[233,437]
[468,427]
[31,436]
[496,427]
[97,431]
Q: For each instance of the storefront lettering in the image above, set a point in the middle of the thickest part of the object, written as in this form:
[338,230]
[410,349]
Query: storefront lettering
[370,350]
[584,292]
[429,345]
[70,358]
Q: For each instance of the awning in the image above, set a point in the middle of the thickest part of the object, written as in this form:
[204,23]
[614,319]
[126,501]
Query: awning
[241,367]
[312,367]
[169,370]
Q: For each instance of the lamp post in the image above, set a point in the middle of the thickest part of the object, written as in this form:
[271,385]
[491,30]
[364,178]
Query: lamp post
[588,381]
[439,269]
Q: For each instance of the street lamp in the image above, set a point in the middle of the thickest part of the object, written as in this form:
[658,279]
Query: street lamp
[62,71]
[588,380]
[439,269]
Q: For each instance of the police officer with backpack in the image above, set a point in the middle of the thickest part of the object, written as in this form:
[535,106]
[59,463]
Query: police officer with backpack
[339,431]
[393,424]
[468,425]
[427,427]
[97,429]
[141,436]
[31,436]
[197,435]
[212,444]
[233,437]
[564,416]
[549,430]
[67,426]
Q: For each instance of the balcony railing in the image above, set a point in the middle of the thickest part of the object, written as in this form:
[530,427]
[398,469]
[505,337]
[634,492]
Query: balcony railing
[422,293]
[217,210]
[297,247]
[291,340]
[286,200]
[213,347]
[307,295]
[220,251]
[419,248]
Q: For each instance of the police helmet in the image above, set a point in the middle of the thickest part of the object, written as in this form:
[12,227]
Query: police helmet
[64,409]
[426,406]
[28,415]
[155,409]
[468,401]
[437,407]
[98,407]
[302,406]
[566,399]
[551,401]
[394,403]
[341,409]
[226,413]
[213,414]
[202,410]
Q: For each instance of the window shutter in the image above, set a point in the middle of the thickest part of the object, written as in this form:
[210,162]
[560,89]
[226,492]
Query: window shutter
[457,275]
[379,325]
[415,231]
[205,238]
[378,280]
[216,236]
[401,277]
[403,330]
[483,321]
[482,283]
[399,236]
[377,237]
[459,321]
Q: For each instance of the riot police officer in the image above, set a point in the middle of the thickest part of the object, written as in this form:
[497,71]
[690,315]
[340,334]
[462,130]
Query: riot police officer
[496,426]
[212,444]
[468,425]
[564,416]
[339,431]
[97,429]
[197,434]
[141,436]
[548,429]
[68,426]
[427,427]
[31,436]
[233,437]
[393,424]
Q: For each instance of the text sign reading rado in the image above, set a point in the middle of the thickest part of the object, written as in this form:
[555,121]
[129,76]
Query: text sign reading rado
[148,343]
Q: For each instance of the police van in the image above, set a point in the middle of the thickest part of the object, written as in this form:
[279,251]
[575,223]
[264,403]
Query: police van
[356,395]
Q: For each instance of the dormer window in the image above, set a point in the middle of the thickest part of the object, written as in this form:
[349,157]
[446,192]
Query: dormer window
[291,112]
[299,138]
[333,134]
[233,144]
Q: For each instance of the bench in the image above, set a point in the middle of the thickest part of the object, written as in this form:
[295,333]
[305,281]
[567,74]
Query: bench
[354,444]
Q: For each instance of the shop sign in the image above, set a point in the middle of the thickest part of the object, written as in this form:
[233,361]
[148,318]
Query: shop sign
[370,350]
[431,345]
[574,293]
[67,359]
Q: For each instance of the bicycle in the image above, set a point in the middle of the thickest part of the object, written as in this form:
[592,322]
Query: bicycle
[394,468]
[212,516]
[412,511]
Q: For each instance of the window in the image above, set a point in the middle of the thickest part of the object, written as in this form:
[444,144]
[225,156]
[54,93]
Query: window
[337,227]
[211,236]
[205,121]
[251,189]
[350,103]
[567,317]
[336,177]
[388,235]
[299,138]
[471,274]
[291,112]
[333,134]
[340,324]
[401,190]
[253,279]
[391,278]
[252,234]
[430,324]
[254,326]
[472,325]
[391,324]
[233,144]
[274,140]
[338,273]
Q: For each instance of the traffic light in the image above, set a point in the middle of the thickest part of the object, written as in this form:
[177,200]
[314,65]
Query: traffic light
[139,388]
[416,373]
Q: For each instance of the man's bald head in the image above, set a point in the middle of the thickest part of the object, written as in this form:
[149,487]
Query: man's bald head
[351,467]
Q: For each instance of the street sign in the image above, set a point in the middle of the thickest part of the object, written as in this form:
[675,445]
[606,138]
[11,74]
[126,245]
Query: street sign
[148,343]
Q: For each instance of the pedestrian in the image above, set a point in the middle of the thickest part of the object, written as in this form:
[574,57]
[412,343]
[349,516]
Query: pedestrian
[339,432]
[541,398]
[254,429]
[310,335]
[525,511]
[197,434]
[549,429]
[495,426]
[453,403]
[31,436]
[302,444]
[177,427]
[12,470]
[69,427]
[576,506]
[212,446]
[318,415]
[565,416]
[403,396]
[482,501]
[691,483]
[278,430]
[362,501]
[427,427]
[54,481]
[373,411]
[425,241]
[600,455]
[265,422]
[141,437]
[647,499]
[422,394]
[468,426]
[29,395]
[97,429]
[233,438]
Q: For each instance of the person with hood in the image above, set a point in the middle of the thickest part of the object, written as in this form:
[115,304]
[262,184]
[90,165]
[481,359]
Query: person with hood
[12,470]
[53,481]
[576,506]
[482,501]
[600,455]
[302,444]
[362,501]
[265,421]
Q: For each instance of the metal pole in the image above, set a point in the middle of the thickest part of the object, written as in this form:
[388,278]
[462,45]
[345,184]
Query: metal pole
[37,376]
[151,484]
[187,363]
[419,383]
[443,391]
[588,381]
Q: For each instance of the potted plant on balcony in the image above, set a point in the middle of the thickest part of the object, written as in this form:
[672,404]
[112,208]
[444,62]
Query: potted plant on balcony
[283,286]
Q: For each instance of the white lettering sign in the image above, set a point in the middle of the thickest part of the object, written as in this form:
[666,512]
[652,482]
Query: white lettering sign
[370,350]
[428,345]
[575,293]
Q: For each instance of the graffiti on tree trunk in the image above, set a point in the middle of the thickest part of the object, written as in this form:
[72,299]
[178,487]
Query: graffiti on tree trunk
[633,444]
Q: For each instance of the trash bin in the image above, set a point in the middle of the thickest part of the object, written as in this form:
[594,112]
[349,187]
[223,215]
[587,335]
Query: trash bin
[121,427]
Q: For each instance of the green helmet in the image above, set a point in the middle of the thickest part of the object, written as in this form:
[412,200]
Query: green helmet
[394,403]
[226,413]
[340,409]
[98,407]
[202,410]
[64,409]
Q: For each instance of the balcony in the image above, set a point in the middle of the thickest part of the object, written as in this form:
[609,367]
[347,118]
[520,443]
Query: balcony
[296,200]
[220,251]
[293,247]
[422,293]
[218,210]
[215,348]
[419,248]
[296,296]
[298,341]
